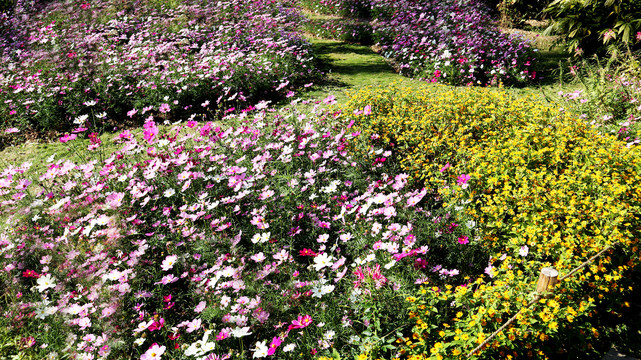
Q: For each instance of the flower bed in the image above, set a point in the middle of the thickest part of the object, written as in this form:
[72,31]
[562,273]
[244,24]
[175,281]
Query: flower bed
[545,190]
[263,238]
[71,64]
[451,42]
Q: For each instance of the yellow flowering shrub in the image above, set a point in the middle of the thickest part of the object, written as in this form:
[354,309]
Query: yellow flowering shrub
[545,190]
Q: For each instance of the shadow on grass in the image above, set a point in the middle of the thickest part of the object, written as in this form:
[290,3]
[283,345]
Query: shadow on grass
[350,65]
[552,66]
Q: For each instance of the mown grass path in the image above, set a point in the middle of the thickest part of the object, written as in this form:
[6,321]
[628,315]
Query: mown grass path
[351,66]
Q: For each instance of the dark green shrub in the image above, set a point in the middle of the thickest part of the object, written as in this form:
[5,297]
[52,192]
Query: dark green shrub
[588,27]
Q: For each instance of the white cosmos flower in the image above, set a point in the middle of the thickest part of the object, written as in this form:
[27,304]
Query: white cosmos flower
[169,192]
[112,275]
[45,282]
[194,349]
[261,349]
[262,238]
[240,332]
[80,119]
[102,220]
[40,313]
[317,292]
[326,289]
[322,260]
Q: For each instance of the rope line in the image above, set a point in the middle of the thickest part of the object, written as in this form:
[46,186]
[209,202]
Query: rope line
[537,298]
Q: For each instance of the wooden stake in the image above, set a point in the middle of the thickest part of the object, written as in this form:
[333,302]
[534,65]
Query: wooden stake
[547,279]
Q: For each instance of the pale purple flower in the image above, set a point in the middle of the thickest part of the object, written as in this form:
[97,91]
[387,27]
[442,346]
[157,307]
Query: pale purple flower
[154,352]
[524,251]
[200,307]
[167,279]
[330,100]
[169,262]
[260,257]
[132,112]
[193,325]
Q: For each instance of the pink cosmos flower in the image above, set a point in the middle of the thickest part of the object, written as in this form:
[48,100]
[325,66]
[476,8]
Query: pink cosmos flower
[223,334]
[115,199]
[156,325]
[462,180]
[169,262]
[194,325]
[154,353]
[206,129]
[68,137]
[23,184]
[28,341]
[108,311]
[200,307]
[266,194]
[151,130]
[463,240]
[164,108]
[274,345]
[12,130]
[167,279]
[126,135]
[84,323]
[131,113]
[367,110]
[330,100]
[260,257]
[300,323]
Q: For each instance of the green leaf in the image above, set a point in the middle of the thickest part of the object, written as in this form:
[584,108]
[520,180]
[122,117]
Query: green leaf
[626,33]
